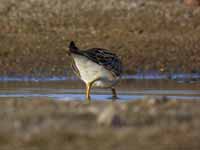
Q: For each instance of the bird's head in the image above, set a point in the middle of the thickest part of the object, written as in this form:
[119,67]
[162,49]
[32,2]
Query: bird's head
[72,47]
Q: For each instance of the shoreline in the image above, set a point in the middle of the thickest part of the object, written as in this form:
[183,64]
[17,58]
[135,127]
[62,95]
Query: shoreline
[152,75]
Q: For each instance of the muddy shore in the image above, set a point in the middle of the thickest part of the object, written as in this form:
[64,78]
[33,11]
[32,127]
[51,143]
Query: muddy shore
[147,35]
[149,124]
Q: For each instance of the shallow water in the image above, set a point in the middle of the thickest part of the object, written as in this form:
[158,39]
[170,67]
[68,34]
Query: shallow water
[72,89]
[151,75]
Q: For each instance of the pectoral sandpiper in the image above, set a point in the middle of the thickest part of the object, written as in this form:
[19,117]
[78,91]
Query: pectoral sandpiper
[97,67]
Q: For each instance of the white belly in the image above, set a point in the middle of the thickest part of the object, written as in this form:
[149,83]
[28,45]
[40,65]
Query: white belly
[91,71]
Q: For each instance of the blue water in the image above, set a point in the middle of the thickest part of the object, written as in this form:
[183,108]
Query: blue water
[132,87]
[182,77]
[78,94]
[156,76]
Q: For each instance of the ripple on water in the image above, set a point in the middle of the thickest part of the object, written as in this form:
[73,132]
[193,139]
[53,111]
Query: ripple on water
[66,95]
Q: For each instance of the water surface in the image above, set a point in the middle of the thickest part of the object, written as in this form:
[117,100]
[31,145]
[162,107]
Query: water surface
[72,89]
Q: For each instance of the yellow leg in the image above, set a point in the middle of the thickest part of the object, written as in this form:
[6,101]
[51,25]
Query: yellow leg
[114,94]
[88,88]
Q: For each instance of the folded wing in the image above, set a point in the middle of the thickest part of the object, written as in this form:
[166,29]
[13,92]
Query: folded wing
[105,58]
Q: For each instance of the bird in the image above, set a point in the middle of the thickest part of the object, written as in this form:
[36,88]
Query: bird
[96,67]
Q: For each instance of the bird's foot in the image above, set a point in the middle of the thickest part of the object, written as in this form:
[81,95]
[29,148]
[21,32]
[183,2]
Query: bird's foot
[88,101]
[114,98]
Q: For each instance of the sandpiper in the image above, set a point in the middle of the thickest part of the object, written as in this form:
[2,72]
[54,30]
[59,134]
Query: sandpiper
[97,67]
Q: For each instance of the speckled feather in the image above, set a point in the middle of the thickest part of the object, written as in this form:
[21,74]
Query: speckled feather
[103,57]
[75,69]
[100,56]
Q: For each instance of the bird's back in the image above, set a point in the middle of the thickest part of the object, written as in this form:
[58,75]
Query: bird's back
[105,58]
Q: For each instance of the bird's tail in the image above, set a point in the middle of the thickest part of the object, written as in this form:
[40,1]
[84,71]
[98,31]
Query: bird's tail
[73,48]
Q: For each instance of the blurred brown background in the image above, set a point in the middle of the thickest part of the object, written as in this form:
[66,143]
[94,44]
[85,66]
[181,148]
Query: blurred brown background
[147,34]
